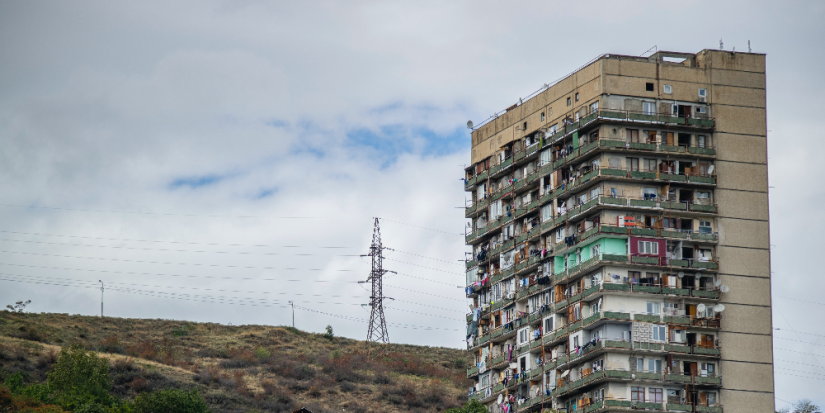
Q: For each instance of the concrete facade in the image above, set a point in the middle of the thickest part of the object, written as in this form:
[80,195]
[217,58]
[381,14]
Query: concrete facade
[630,200]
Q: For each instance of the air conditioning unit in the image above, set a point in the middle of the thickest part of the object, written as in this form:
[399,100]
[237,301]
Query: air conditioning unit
[703,98]
[510,296]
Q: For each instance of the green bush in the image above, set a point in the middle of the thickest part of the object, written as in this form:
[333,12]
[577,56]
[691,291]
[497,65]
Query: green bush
[170,401]
[262,353]
[472,407]
[79,378]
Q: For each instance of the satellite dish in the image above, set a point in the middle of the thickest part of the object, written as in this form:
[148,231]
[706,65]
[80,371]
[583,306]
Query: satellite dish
[717,282]
[500,399]
[700,308]
[633,375]
[719,308]
[472,307]
[724,288]
[469,124]
[710,170]
[681,275]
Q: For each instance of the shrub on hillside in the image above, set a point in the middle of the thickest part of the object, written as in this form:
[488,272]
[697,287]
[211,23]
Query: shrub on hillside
[79,378]
[170,401]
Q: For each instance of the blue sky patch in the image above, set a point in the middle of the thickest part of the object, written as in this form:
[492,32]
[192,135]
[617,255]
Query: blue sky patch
[196,182]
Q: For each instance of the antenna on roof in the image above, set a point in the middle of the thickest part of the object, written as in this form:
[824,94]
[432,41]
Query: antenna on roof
[520,102]
[721,45]
[749,46]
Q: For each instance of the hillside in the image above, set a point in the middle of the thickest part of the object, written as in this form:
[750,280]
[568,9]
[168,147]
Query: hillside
[241,368]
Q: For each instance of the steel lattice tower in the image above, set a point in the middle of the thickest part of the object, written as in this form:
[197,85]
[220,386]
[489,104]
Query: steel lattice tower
[378,326]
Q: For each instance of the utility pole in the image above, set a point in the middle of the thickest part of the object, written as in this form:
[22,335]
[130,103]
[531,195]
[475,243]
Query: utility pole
[101,298]
[377,332]
[293,313]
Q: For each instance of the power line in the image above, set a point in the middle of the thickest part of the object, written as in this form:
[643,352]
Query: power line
[800,341]
[429,268]
[800,352]
[161,249]
[796,375]
[796,362]
[163,263]
[796,299]
[421,292]
[798,371]
[377,330]
[418,226]
[423,256]
[167,242]
[415,327]
[101,211]
[799,332]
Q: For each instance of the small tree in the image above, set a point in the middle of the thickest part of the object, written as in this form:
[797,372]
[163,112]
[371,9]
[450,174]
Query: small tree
[805,406]
[329,335]
[170,401]
[472,407]
[18,306]
[79,378]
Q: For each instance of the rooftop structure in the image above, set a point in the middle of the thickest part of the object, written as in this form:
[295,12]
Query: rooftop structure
[620,241]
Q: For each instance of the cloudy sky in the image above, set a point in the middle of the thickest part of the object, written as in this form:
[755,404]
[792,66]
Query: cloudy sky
[213,160]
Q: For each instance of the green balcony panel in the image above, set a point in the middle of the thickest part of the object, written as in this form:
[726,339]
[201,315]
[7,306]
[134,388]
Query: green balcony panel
[496,278]
[645,260]
[589,147]
[642,203]
[705,123]
[590,175]
[642,175]
[611,143]
[612,172]
[616,344]
[680,206]
[649,406]
[595,406]
[680,407]
[615,287]
[469,317]
[702,180]
[573,269]
[677,378]
[672,148]
[617,315]
[674,234]
[507,272]
[705,294]
[614,257]
[617,403]
[497,388]
[645,232]
[558,163]
[647,289]
[614,201]
[590,320]
[614,230]
[673,119]
[707,265]
[679,263]
[706,351]
[708,380]
[519,155]
[641,117]
[471,263]
[469,236]
[702,151]
[643,146]
[703,237]
[558,191]
[708,409]
[677,320]
[618,374]
[589,118]
[673,177]
[703,208]
[590,290]
[497,333]
[472,371]
[559,219]
[574,326]
[469,211]
[612,114]
[647,318]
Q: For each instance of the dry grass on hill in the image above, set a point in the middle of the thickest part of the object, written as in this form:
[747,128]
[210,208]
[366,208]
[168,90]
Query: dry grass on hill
[242,368]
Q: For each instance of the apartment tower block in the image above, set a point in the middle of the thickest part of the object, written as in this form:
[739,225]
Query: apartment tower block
[620,242]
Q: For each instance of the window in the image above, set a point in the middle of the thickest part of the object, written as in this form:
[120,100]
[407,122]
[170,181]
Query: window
[637,394]
[594,107]
[594,193]
[640,364]
[653,308]
[523,336]
[648,247]
[700,141]
[575,341]
[711,399]
[595,250]
[633,135]
[658,333]
[654,365]
[702,195]
[649,165]
[548,324]
[577,96]
[648,108]
[547,212]
[704,227]
[542,116]
[632,164]
[598,395]
[656,395]
[701,109]
[703,94]
[568,101]
[485,381]
[710,368]
[524,126]
[649,87]
[677,336]
[668,89]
